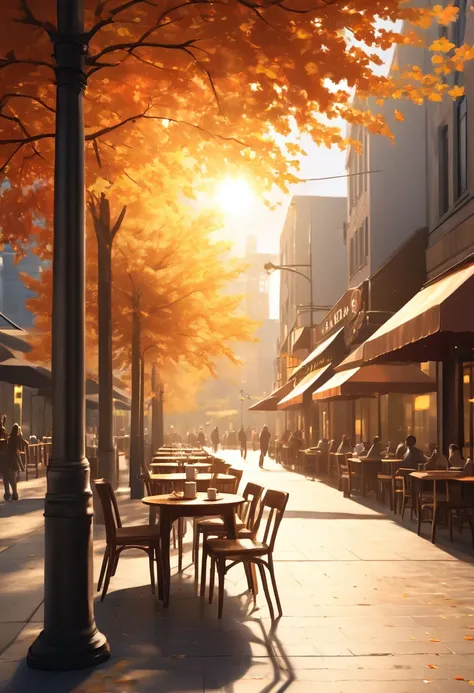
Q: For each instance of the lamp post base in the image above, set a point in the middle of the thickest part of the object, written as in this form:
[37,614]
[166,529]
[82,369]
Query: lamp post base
[88,650]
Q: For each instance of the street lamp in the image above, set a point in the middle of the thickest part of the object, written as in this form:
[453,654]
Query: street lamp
[243,397]
[70,638]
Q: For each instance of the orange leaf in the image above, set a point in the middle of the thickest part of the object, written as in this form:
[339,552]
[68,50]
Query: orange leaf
[459,678]
[399,115]
[432,666]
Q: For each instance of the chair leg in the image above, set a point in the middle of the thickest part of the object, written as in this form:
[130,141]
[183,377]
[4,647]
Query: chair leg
[203,572]
[212,579]
[404,505]
[271,569]
[109,572]
[180,544]
[450,524]
[151,560]
[470,519]
[266,590]
[174,535]
[103,567]
[248,575]
[159,572]
[115,563]
[433,524]
[221,573]
[195,543]
[420,513]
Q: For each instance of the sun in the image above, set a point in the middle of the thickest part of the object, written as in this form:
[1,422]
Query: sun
[234,196]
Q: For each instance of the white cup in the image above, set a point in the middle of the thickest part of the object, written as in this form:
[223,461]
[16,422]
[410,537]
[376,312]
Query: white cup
[190,489]
[212,493]
[190,472]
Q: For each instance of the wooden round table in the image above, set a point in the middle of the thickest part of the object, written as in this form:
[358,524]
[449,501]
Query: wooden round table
[171,510]
[199,466]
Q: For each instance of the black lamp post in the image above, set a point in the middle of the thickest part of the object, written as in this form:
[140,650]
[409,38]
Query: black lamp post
[70,638]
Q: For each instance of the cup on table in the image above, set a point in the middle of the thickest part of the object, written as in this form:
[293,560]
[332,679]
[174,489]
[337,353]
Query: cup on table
[190,472]
[190,490]
[212,493]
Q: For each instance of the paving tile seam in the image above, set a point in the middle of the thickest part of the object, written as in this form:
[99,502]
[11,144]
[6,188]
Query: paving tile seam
[22,538]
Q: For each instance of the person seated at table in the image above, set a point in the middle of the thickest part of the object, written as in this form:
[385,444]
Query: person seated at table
[323,445]
[345,445]
[390,450]
[437,460]
[359,449]
[469,467]
[413,457]
[455,458]
[401,450]
[375,449]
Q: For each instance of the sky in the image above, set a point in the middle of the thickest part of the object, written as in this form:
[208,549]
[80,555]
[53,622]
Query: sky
[253,218]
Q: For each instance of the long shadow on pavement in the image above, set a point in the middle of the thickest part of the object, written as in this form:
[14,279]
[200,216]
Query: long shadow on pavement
[21,507]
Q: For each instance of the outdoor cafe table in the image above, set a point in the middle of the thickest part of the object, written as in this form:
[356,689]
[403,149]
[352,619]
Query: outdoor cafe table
[371,466]
[173,509]
[180,477]
[199,466]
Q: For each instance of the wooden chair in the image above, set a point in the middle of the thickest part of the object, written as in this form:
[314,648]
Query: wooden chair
[214,526]
[220,467]
[385,488]
[228,486]
[402,491]
[247,551]
[144,537]
[343,474]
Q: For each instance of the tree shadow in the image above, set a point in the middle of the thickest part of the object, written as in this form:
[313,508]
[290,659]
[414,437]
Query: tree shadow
[326,515]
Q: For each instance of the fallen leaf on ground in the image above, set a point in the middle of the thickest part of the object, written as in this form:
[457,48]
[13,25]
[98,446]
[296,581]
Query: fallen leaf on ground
[459,678]
[435,640]
[468,637]
[405,595]
[426,681]
[432,666]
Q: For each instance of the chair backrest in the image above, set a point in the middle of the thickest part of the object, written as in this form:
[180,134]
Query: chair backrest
[248,511]
[220,467]
[342,464]
[404,473]
[275,502]
[109,507]
[145,477]
[238,474]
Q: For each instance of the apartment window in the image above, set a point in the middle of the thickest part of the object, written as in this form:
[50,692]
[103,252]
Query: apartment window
[460,26]
[443,169]
[359,248]
[460,146]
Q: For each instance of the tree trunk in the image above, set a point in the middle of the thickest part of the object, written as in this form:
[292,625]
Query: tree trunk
[106,454]
[156,412]
[142,411]
[136,485]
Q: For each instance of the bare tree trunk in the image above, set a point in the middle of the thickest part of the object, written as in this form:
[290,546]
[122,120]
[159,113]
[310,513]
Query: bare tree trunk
[136,485]
[105,234]
[142,410]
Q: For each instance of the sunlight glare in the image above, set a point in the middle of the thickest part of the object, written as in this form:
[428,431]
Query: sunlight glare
[234,196]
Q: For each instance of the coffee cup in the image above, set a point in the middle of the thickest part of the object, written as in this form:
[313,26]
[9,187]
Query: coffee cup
[212,493]
[190,472]
[190,489]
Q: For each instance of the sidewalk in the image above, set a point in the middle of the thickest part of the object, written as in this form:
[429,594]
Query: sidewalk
[369,607]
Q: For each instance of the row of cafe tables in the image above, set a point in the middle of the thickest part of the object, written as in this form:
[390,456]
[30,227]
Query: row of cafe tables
[425,486]
[170,510]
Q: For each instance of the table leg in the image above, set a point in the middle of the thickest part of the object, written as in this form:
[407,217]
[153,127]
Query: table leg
[228,516]
[165,530]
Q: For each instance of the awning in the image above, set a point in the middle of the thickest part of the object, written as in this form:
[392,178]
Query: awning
[301,338]
[270,403]
[334,345]
[295,397]
[427,328]
[368,381]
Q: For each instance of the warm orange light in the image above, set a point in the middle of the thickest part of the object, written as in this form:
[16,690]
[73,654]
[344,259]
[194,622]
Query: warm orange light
[234,196]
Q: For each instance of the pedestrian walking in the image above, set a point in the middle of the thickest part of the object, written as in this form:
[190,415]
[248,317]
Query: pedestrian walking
[215,437]
[243,443]
[265,436]
[11,463]
[201,438]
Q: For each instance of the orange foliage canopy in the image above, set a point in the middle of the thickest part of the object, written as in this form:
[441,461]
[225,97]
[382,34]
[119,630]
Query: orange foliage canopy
[239,73]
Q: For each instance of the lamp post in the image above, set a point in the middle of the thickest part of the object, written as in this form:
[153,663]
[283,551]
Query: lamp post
[243,397]
[70,638]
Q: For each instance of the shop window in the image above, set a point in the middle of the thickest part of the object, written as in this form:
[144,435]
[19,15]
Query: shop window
[443,151]
[460,26]
[460,123]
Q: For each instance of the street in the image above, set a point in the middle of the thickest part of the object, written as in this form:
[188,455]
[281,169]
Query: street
[368,606]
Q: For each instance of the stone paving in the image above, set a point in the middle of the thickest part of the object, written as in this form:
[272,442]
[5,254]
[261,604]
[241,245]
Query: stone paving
[368,607]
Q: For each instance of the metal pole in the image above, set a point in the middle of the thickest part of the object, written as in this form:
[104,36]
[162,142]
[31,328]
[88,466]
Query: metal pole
[155,405]
[136,486]
[70,638]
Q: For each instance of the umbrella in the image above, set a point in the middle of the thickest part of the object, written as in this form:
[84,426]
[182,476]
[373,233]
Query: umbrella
[19,372]
[92,402]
